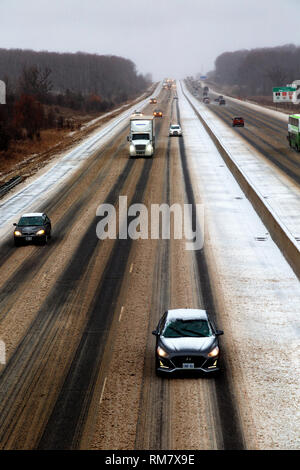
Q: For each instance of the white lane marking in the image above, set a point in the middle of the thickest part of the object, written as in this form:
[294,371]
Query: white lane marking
[104,383]
[122,309]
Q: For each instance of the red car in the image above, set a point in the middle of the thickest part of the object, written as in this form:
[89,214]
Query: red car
[238,121]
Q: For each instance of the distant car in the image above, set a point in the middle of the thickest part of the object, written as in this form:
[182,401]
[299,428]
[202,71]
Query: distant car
[175,97]
[32,227]
[153,100]
[186,340]
[175,130]
[221,97]
[137,113]
[157,113]
[222,101]
[238,121]
[206,100]
[217,100]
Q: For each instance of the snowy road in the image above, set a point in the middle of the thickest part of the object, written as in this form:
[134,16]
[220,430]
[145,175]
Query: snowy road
[32,196]
[76,315]
[280,192]
[258,293]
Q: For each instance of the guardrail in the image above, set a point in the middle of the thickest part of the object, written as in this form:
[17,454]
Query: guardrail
[10,184]
[276,228]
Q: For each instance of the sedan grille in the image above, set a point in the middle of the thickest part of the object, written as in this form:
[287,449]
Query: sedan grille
[28,232]
[140,147]
[198,361]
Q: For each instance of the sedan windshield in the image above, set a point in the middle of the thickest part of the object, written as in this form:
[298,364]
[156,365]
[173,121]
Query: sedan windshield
[175,127]
[30,221]
[181,328]
[140,137]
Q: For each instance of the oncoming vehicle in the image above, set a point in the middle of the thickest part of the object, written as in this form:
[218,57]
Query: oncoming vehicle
[137,113]
[206,100]
[32,227]
[186,340]
[157,113]
[238,121]
[222,101]
[141,136]
[294,131]
[153,100]
[175,130]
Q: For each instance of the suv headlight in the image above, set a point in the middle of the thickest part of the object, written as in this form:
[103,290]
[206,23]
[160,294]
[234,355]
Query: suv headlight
[132,148]
[40,232]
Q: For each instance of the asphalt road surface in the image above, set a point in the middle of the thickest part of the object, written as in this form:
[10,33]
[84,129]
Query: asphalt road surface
[77,314]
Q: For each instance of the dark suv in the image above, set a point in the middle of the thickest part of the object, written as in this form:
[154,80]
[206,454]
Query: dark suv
[33,227]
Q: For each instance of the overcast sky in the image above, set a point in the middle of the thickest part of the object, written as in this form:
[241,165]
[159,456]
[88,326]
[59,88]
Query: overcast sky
[168,38]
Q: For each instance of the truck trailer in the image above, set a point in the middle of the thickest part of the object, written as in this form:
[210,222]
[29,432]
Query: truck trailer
[142,136]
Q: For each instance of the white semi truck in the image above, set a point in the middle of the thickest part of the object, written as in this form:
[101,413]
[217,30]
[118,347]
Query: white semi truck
[142,136]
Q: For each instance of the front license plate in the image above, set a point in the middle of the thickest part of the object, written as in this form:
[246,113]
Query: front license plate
[28,239]
[188,365]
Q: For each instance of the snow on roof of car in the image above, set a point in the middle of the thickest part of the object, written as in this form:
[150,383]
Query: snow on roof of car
[187,314]
[33,214]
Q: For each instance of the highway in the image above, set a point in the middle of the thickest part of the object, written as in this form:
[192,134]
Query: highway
[76,315]
[265,132]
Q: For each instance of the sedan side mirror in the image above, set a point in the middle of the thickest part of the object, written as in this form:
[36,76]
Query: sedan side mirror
[219,332]
[128,138]
[15,225]
[155,332]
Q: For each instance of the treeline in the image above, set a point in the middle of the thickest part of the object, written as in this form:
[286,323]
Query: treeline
[257,71]
[39,82]
[113,78]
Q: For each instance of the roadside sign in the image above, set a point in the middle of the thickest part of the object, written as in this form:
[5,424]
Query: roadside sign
[2,92]
[203,77]
[284,94]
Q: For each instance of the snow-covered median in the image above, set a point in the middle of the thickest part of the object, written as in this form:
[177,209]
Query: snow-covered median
[279,193]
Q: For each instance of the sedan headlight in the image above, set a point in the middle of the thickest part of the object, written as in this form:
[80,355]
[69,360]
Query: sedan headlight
[18,233]
[214,352]
[40,232]
[161,352]
[132,148]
